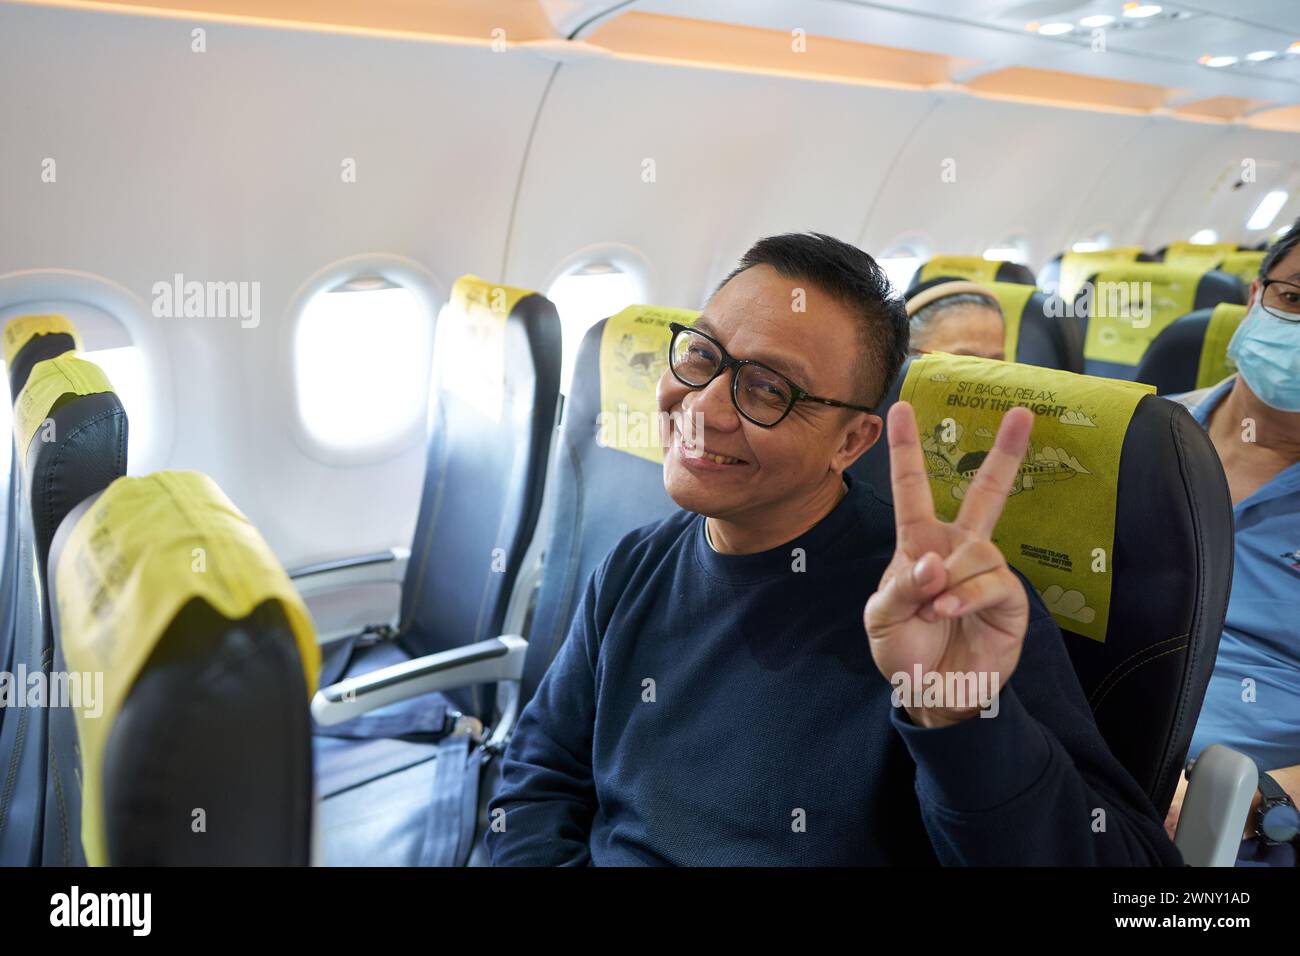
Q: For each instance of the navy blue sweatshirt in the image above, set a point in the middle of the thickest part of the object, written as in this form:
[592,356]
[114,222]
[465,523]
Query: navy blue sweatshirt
[714,709]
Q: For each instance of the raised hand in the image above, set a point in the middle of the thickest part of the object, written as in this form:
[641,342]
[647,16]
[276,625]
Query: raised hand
[948,601]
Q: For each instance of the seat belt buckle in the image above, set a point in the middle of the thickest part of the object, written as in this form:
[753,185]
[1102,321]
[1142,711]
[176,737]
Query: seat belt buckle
[375,634]
[465,724]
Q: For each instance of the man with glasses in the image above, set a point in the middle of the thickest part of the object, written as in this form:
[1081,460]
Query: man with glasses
[1253,418]
[716,701]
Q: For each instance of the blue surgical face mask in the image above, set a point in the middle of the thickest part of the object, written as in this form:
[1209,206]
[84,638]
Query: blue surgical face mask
[1267,352]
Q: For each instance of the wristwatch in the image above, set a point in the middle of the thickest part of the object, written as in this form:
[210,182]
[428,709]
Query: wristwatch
[1276,819]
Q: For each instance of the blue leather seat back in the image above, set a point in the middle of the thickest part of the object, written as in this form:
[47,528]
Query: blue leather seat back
[1171,565]
[494,393]
[599,495]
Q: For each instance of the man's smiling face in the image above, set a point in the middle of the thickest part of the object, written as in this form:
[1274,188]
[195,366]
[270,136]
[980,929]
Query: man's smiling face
[818,349]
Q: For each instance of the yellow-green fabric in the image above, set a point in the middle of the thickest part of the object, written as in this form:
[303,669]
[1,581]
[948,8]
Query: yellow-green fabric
[1012,297]
[139,554]
[22,329]
[1130,305]
[1077,266]
[975,268]
[1214,365]
[1198,255]
[633,357]
[46,386]
[1058,526]
[1243,265]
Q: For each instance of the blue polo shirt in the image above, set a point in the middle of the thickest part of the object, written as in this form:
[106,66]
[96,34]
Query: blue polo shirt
[1259,653]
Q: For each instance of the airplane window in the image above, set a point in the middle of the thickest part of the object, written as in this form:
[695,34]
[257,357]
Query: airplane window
[585,295]
[1011,250]
[1093,244]
[899,266]
[1204,237]
[361,363]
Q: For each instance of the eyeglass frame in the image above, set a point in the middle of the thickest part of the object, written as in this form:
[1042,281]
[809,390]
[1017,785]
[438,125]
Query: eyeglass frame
[727,363]
[1263,290]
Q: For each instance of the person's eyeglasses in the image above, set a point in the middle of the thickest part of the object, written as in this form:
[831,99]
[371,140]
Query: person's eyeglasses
[762,395]
[1281,299]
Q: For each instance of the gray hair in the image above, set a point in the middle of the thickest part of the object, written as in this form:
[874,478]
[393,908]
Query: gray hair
[920,322]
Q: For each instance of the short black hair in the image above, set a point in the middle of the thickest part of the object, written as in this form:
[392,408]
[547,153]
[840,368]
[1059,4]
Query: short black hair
[1280,249]
[852,278]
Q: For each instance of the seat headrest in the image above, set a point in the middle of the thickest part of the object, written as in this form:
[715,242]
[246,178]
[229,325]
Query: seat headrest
[975,268]
[1244,265]
[1197,255]
[1192,352]
[1077,266]
[148,558]
[470,347]
[633,357]
[29,339]
[70,432]
[1128,306]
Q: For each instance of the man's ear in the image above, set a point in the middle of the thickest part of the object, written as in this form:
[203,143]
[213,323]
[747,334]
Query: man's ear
[863,430]
[1253,295]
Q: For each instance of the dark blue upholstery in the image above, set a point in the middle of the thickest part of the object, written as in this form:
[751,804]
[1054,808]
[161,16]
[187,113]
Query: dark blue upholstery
[1172,573]
[599,495]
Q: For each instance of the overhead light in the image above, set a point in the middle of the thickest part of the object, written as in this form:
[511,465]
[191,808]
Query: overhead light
[1259,56]
[1055,29]
[1267,209]
[1204,237]
[1097,20]
[1294,47]
[1140,11]
[1004,254]
[1217,62]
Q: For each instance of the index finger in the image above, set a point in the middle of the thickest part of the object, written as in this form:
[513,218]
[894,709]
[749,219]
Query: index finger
[991,486]
[913,501]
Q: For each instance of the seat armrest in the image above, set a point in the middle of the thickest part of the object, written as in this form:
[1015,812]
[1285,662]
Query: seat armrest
[487,662]
[378,565]
[1220,787]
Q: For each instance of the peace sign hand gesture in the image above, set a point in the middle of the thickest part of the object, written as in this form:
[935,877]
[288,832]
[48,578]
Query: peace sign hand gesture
[948,602]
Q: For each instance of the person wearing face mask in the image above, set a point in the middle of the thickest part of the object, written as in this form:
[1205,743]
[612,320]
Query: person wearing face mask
[1253,417]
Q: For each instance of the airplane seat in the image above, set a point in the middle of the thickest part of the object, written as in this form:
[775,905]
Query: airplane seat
[1121,521]
[973,268]
[606,479]
[196,748]
[1118,321]
[1192,352]
[1244,265]
[494,394]
[1036,330]
[1065,272]
[70,436]
[1196,255]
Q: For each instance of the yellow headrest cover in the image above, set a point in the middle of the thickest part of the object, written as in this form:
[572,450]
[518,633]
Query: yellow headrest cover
[139,554]
[976,268]
[1131,304]
[1214,365]
[48,383]
[1077,266]
[633,356]
[1198,255]
[1058,527]
[21,330]
[470,342]
[1012,296]
[1243,265]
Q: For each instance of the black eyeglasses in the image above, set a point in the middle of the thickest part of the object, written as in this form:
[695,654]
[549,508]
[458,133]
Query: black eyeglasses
[762,395]
[1281,299]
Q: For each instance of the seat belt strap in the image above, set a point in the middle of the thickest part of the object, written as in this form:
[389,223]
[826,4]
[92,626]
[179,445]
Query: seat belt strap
[454,809]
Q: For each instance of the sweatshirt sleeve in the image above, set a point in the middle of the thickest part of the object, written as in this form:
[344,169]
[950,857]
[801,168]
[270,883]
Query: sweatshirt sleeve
[1036,784]
[547,792]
